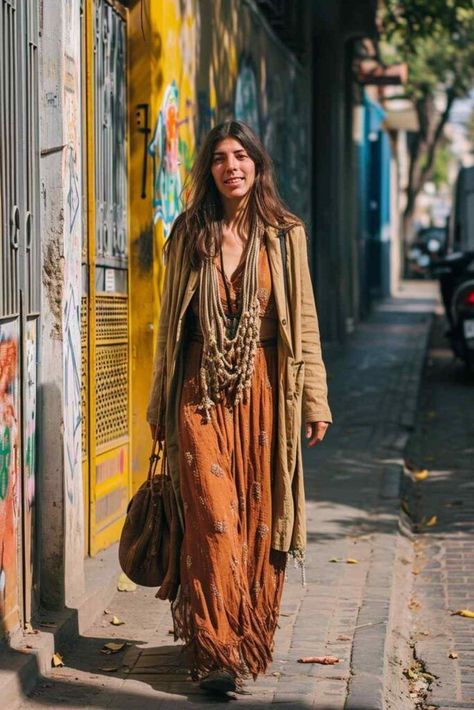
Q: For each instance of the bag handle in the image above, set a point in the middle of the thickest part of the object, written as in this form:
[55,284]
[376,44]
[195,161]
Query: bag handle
[155,456]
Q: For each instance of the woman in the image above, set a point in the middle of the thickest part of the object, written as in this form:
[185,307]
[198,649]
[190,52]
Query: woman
[238,362]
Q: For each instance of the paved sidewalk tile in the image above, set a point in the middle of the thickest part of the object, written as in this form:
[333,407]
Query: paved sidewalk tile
[444,581]
[352,498]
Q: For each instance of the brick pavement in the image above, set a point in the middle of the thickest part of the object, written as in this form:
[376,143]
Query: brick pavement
[444,566]
[352,490]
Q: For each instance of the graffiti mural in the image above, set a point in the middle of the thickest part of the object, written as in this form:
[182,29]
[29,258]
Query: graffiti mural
[9,470]
[30,414]
[164,148]
[72,397]
[246,97]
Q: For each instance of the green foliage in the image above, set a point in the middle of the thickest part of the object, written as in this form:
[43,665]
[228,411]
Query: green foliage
[440,170]
[436,39]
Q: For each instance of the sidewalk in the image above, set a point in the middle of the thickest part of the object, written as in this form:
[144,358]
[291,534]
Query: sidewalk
[347,609]
[443,443]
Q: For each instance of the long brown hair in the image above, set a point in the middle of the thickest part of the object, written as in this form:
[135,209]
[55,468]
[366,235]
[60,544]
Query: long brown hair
[203,213]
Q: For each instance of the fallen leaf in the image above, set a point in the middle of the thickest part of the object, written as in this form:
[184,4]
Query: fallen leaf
[336,559]
[464,612]
[431,521]
[453,654]
[343,637]
[324,660]
[112,647]
[57,661]
[125,584]
[414,604]
[421,475]
[116,621]
[352,561]
[107,611]
[410,674]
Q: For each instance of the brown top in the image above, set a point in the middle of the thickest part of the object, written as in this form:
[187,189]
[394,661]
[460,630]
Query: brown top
[267,309]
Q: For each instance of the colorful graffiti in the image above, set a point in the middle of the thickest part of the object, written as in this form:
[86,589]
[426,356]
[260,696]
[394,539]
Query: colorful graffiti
[246,97]
[30,414]
[164,148]
[9,471]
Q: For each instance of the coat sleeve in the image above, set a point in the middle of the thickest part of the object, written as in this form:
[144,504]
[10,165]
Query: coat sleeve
[315,395]
[157,401]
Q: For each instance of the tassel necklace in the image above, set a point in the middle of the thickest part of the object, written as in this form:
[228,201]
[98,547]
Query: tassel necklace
[229,341]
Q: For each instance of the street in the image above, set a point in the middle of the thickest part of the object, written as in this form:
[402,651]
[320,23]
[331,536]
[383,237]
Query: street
[380,583]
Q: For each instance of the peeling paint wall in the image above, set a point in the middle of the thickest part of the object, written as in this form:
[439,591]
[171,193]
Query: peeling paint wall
[60,442]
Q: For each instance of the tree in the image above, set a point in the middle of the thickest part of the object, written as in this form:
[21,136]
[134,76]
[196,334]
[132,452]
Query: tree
[436,40]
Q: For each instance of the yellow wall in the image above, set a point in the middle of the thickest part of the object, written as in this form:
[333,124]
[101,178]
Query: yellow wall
[191,64]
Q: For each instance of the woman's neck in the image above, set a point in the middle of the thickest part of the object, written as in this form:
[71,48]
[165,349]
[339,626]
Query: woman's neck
[236,215]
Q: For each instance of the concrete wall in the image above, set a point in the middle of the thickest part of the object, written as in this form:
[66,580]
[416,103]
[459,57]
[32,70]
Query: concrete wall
[60,476]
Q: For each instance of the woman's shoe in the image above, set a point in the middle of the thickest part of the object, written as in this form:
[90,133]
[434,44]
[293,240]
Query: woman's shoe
[219,682]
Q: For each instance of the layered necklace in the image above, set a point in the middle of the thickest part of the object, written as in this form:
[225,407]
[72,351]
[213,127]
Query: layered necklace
[229,340]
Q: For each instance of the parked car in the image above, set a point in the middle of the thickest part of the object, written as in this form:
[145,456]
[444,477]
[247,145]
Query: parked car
[427,249]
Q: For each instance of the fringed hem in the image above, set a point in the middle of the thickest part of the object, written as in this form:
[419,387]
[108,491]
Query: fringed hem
[250,653]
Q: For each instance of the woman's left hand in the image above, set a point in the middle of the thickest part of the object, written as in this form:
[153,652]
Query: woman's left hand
[315,432]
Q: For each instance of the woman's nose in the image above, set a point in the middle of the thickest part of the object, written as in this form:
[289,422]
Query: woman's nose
[231,164]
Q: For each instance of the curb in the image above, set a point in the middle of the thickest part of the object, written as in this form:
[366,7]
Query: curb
[367,686]
[28,657]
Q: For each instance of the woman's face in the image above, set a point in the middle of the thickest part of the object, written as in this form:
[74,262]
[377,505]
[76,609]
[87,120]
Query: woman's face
[233,169]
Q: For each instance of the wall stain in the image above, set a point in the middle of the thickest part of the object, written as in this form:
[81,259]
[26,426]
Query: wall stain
[53,281]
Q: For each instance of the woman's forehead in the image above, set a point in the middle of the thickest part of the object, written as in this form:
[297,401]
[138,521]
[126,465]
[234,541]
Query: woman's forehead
[228,145]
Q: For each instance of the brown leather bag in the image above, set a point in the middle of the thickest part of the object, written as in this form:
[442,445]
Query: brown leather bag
[150,543]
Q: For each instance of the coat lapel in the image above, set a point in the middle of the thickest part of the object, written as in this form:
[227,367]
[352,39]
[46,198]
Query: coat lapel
[276,268]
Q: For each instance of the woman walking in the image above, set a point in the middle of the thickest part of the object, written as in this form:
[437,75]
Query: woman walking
[238,364]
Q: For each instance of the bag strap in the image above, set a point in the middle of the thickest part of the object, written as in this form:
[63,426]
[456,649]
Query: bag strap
[282,238]
[155,456]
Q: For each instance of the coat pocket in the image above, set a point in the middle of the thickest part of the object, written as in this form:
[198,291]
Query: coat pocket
[298,377]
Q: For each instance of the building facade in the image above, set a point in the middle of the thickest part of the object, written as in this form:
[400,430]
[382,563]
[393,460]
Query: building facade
[114,100]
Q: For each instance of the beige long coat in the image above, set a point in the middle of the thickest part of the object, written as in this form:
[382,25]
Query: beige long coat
[302,392]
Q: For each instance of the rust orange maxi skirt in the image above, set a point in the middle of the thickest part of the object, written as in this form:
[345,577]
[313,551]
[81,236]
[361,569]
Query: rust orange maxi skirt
[231,580]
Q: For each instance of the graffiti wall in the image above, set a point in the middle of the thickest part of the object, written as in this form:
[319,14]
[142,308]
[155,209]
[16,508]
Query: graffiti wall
[231,67]
[192,64]
[9,474]
[74,524]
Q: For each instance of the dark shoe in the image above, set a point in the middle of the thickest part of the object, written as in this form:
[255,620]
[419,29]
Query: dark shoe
[219,682]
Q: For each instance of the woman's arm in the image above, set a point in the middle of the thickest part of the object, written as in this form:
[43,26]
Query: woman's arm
[315,394]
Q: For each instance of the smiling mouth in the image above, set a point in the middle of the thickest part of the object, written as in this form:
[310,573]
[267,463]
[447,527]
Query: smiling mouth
[233,181]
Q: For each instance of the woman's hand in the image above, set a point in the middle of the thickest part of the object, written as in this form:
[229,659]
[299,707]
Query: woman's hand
[157,432]
[315,432]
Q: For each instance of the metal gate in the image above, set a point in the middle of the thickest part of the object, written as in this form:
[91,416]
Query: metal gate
[105,303]
[19,305]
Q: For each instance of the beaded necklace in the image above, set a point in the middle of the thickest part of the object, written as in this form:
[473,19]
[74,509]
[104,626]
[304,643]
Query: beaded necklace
[229,345]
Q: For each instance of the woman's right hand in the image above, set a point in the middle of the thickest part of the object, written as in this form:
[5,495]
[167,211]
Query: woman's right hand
[157,432]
